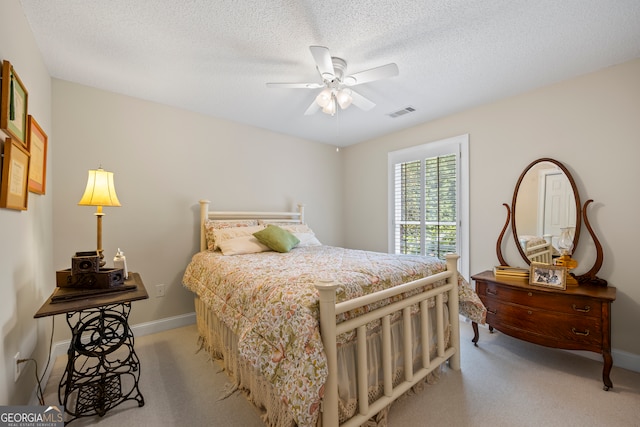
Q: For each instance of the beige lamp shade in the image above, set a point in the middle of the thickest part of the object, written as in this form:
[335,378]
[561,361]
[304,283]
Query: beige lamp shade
[100,190]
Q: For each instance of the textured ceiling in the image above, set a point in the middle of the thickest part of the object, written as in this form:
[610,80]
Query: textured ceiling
[214,57]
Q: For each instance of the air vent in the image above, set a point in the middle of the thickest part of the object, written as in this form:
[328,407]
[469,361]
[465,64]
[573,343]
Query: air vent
[402,112]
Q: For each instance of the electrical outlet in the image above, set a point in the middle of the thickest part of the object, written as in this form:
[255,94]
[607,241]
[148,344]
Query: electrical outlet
[17,367]
[160,290]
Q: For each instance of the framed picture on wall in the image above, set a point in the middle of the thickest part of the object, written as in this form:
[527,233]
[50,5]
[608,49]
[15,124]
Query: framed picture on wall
[15,174]
[13,105]
[37,147]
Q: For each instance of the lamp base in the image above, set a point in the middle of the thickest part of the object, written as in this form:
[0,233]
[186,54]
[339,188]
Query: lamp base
[566,261]
[101,258]
[570,264]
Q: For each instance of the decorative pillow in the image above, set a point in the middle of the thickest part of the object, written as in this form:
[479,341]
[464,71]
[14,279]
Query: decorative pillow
[305,234]
[296,228]
[215,224]
[278,222]
[278,239]
[242,245]
[220,235]
[307,239]
[232,223]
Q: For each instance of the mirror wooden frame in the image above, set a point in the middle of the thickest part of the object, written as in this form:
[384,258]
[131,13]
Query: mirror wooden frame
[581,216]
[574,188]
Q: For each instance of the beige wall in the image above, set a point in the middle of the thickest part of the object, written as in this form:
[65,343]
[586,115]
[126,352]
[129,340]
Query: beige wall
[590,123]
[26,246]
[164,160]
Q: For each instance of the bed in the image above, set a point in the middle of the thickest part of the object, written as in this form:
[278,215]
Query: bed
[320,335]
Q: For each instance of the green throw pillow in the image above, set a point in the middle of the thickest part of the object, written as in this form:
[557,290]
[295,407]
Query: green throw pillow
[276,238]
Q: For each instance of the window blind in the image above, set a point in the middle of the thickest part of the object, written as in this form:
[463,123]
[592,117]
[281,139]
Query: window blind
[426,206]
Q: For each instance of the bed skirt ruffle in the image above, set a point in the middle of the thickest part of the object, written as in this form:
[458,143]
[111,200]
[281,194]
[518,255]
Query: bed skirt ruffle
[222,344]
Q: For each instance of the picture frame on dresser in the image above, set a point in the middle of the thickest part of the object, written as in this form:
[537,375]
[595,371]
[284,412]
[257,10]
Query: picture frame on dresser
[13,104]
[548,275]
[15,175]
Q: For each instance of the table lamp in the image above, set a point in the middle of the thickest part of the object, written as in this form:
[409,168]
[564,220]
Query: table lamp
[100,192]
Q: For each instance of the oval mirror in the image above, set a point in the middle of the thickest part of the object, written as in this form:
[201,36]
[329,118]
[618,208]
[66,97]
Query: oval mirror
[545,203]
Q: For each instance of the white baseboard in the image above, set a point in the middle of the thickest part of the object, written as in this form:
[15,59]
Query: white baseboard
[139,330]
[626,360]
[621,359]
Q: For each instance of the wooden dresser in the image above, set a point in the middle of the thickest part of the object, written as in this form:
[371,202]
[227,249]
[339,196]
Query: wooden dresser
[577,318]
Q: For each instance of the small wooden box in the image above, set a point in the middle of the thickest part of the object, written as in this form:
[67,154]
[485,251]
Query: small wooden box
[105,278]
[85,262]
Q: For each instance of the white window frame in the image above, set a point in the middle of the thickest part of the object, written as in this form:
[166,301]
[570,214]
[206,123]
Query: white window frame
[458,145]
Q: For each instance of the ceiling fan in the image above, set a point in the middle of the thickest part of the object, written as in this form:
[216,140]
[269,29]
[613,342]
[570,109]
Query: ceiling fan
[337,90]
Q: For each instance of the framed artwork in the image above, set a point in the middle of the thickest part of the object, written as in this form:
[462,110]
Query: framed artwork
[37,147]
[551,276]
[15,174]
[13,105]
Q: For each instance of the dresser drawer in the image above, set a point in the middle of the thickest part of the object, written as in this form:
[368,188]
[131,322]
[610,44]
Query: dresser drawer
[562,328]
[569,304]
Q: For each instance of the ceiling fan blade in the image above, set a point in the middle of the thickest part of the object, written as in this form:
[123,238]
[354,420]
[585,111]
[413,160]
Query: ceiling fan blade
[296,85]
[312,108]
[361,102]
[372,74]
[322,57]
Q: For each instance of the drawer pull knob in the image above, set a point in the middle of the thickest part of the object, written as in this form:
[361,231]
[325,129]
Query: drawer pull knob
[529,312]
[584,334]
[586,309]
[494,312]
[491,292]
[529,294]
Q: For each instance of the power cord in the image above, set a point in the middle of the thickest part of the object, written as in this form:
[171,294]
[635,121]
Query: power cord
[39,390]
[39,393]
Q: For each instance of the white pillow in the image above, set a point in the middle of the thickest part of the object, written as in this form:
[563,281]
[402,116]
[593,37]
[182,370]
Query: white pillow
[213,224]
[223,234]
[296,228]
[307,239]
[242,245]
[278,222]
[304,233]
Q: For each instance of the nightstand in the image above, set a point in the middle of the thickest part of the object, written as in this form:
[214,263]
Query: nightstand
[102,369]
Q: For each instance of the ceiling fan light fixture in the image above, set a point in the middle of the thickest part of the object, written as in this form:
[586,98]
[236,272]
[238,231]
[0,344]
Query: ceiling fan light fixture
[324,97]
[335,84]
[330,108]
[344,98]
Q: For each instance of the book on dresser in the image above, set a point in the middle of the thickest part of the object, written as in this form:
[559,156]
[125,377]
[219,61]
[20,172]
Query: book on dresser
[505,270]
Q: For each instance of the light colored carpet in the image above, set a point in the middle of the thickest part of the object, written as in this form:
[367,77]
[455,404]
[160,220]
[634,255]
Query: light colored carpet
[503,382]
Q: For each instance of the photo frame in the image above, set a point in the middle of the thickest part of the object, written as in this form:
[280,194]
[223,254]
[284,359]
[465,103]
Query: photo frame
[548,275]
[13,105]
[37,147]
[15,175]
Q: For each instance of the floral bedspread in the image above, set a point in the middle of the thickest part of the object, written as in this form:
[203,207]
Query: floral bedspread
[269,300]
